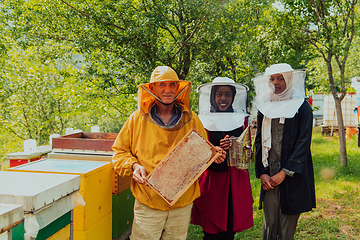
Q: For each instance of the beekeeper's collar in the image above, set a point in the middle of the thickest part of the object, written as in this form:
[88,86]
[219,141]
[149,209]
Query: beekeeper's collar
[285,104]
[222,121]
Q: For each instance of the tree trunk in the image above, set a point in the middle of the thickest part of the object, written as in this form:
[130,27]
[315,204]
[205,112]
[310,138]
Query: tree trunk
[185,63]
[233,68]
[340,120]
[341,128]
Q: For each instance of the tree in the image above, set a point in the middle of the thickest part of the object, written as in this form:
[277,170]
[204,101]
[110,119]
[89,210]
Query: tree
[141,33]
[123,41]
[38,95]
[235,49]
[330,28]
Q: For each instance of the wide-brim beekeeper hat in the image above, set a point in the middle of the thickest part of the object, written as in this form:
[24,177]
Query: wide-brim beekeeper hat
[222,121]
[273,106]
[147,98]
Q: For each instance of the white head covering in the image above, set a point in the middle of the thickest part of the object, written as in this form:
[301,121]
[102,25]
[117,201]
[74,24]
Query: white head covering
[284,104]
[222,121]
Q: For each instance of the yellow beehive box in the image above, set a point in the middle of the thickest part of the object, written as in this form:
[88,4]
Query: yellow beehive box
[119,184]
[122,199]
[98,231]
[63,234]
[95,187]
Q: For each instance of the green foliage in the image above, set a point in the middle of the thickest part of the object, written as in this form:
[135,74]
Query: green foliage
[9,144]
[143,34]
[122,42]
[43,92]
[318,72]
[320,24]
[110,125]
[36,94]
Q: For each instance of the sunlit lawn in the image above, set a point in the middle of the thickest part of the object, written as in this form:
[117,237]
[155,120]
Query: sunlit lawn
[337,215]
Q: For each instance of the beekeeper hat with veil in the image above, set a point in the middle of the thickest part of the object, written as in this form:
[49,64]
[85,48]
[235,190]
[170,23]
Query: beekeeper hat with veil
[233,117]
[282,105]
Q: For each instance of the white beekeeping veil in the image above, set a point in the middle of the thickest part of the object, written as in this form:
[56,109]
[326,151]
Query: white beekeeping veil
[284,104]
[281,105]
[211,117]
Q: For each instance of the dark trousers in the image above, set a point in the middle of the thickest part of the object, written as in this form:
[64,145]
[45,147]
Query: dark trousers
[219,236]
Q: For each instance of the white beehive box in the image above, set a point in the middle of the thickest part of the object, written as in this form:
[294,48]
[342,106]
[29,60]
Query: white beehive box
[39,151]
[10,216]
[36,191]
[44,197]
[348,104]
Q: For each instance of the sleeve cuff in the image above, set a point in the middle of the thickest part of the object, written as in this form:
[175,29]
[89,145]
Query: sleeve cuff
[124,169]
[288,172]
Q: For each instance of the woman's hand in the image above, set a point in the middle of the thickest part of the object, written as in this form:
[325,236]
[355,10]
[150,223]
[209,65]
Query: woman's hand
[222,155]
[139,173]
[277,178]
[225,143]
[265,182]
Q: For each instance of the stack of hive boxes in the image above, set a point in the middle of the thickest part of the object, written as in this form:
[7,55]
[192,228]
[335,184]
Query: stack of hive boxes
[19,158]
[93,220]
[96,147]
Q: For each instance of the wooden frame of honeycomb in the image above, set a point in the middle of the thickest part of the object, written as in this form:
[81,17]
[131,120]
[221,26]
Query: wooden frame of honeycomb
[182,166]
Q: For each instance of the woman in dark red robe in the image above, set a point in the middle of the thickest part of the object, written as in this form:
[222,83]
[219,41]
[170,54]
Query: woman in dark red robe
[225,204]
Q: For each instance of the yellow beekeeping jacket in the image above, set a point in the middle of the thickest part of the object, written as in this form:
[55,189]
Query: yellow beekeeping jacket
[143,141]
[147,144]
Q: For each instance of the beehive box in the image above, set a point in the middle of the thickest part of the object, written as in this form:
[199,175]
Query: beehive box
[11,215]
[61,227]
[123,214]
[45,198]
[122,198]
[119,184]
[182,166]
[18,232]
[80,147]
[95,187]
[84,142]
[348,105]
[19,158]
[64,233]
[89,146]
[100,230]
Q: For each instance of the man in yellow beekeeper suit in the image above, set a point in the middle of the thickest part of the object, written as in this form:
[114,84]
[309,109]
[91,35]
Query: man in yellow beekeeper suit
[163,118]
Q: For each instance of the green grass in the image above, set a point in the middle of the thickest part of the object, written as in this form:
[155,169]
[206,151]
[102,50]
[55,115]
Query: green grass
[337,215]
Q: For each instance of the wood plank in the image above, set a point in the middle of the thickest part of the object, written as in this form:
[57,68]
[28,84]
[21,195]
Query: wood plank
[85,141]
